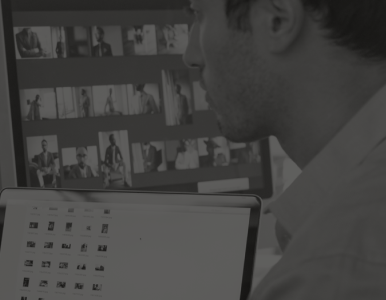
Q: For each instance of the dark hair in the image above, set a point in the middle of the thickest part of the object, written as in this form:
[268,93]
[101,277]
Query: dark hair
[100,29]
[358,25]
[44,141]
[140,87]
[110,136]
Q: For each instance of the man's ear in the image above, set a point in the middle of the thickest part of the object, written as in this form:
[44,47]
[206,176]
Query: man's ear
[277,23]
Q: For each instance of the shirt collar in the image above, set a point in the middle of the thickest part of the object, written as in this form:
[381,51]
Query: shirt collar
[348,149]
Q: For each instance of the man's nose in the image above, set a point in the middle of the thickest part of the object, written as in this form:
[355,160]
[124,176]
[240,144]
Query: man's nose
[192,56]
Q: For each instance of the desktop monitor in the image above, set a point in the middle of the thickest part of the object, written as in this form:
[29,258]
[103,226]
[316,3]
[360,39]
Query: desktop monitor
[101,99]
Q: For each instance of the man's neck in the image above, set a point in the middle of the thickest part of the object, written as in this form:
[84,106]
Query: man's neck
[313,123]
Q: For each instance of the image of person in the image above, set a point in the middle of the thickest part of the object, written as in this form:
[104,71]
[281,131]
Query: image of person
[147,102]
[169,35]
[313,75]
[102,48]
[46,165]
[138,36]
[85,104]
[59,49]
[187,155]
[110,104]
[28,44]
[114,161]
[82,169]
[182,106]
[149,157]
[34,109]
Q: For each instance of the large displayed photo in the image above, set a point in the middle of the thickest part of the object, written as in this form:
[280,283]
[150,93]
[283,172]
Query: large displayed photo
[139,40]
[172,39]
[33,42]
[214,152]
[149,157]
[106,41]
[115,159]
[80,162]
[144,99]
[110,100]
[38,104]
[43,161]
[59,45]
[182,154]
[177,97]
[78,41]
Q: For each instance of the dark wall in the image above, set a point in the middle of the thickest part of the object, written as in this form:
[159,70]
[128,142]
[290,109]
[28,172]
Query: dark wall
[92,5]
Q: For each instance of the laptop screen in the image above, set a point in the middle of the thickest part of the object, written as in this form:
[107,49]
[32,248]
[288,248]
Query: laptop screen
[83,250]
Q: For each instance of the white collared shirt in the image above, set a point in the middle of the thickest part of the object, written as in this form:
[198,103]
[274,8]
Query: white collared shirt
[335,212]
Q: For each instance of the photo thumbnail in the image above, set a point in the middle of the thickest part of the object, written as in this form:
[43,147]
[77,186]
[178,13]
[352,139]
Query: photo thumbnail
[83,247]
[81,266]
[177,97]
[46,264]
[43,161]
[105,228]
[68,227]
[182,154]
[110,100]
[78,41]
[66,246]
[200,100]
[99,268]
[139,40]
[80,162]
[149,157]
[79,286]
[48,245]
[67,104]
[106,41]
[29,263]
[31,244]
[84,102]
[245,153]
[144,99]
[115,159]
[43,283]
[25,282]
[61,284]
[97,287]
[63,265]
[59,42]
[172,39]
[51,226]
[33,225]
[102,248]
[214,152]
[38,104]
[33,42]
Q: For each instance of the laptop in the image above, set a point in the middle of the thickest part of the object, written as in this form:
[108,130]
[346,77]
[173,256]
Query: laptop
[78,244]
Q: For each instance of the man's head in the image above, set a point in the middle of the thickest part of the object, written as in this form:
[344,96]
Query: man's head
[257,56]
[83,92]
[99,34]
[146,145]
[37,97]
[178,88]
[44,145]
[110,91]
[140,87]
[112,139]
[81,156]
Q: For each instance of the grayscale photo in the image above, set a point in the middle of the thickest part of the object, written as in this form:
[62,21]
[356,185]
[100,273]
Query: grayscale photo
[106,41]
[110,100]
[172,39]
[182,154]
[33,42]
[59,42]
[139,40]
[214,152]
[177,97]
[38,104]
[245,153]
[43,161]
[78,41]
[149,157]
[144,99]
[80,162]
[115,159]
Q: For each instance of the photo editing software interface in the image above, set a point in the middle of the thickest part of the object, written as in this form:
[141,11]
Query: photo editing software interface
[106,102]
[86,251]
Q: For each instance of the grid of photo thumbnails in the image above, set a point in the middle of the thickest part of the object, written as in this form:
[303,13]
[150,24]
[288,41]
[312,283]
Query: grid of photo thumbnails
[116,159]
[64,254]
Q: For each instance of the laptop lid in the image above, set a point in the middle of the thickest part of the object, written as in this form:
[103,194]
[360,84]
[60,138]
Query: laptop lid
[127,245]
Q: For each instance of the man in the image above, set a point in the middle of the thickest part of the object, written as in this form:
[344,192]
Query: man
[46,165]
[110,105]
[147,102]
[34,110]
[85,104]
[149,157]
[102,48]
[312,73]
[82,169]
[182,106]
[28,44]
[114,162]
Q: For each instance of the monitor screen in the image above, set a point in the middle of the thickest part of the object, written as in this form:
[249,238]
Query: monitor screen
[101,99]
